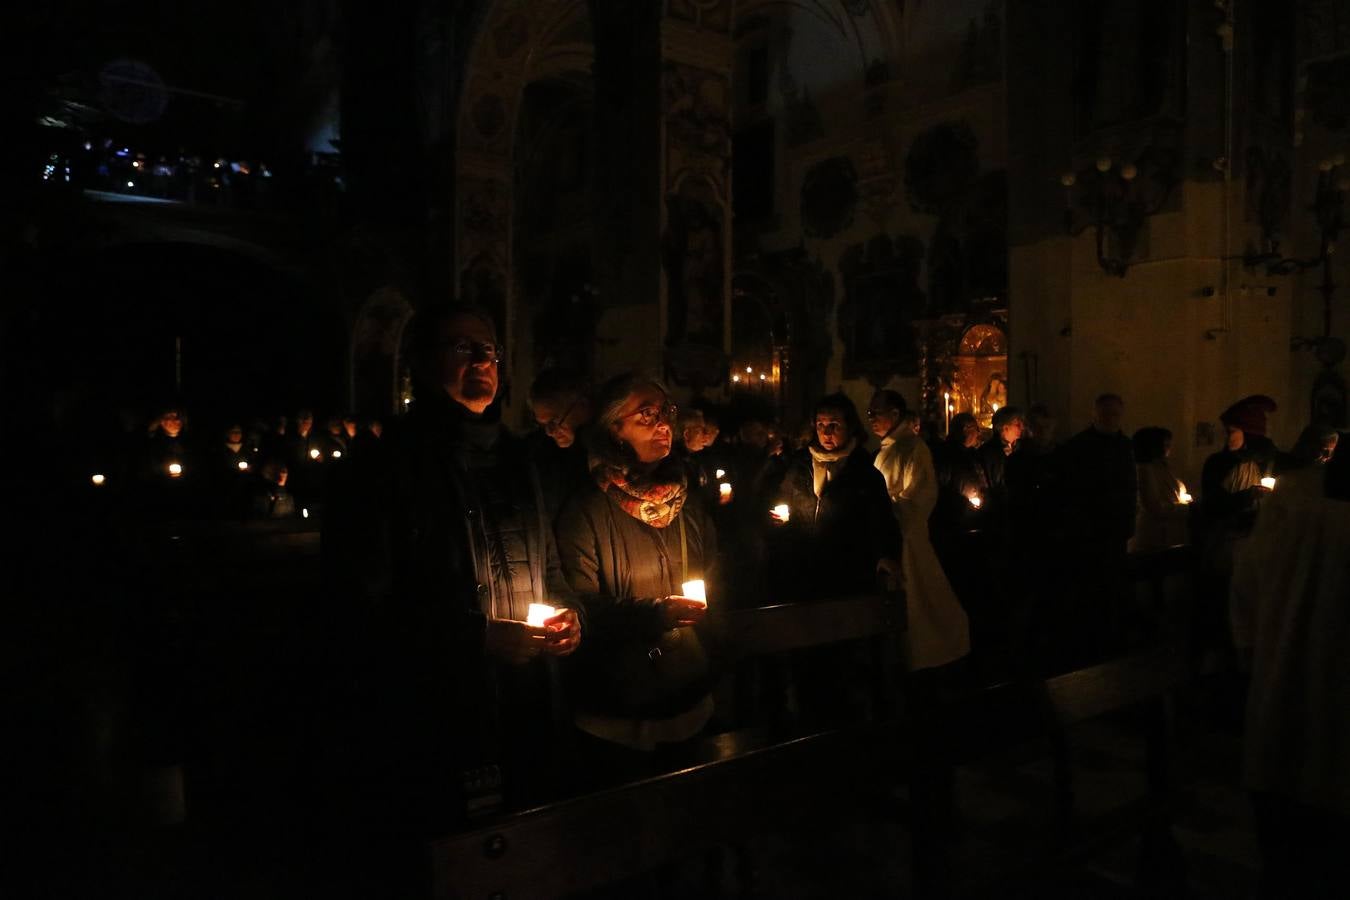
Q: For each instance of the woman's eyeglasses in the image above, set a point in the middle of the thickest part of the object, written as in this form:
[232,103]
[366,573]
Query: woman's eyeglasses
[648,416]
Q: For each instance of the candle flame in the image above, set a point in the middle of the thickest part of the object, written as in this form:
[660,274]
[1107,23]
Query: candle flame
[337,454]
[976,501]
[724,489]
[1268,483]
[305,513]
[243,465]
[721,473]
[314,454]
[695,590]
[540,613]
[175,470]
[98,479]
[782,512]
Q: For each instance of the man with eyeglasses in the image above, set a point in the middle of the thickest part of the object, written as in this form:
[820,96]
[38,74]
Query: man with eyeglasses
[452,546]
[561,404]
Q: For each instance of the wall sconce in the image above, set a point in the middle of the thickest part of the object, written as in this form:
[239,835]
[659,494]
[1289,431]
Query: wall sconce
[1114,198]
[1333,182]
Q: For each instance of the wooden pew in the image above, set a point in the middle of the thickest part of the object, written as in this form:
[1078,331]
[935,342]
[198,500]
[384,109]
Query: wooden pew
[978,725]
[734,784]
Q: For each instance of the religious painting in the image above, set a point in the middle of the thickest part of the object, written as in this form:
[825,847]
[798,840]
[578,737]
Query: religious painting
[882,302]
[828,198]
[694,265]
[1129,63]
[979,380]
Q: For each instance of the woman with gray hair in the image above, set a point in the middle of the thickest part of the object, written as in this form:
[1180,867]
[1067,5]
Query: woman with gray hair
[630,544]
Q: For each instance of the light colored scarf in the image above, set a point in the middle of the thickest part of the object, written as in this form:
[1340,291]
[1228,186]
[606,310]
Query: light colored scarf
[824,463]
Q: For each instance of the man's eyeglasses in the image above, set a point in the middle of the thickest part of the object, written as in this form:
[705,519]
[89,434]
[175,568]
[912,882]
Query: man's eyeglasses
[553,425]
[472,350]
[648,416]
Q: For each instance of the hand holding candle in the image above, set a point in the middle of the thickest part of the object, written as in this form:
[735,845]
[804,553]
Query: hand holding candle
[678,611]
[562,628]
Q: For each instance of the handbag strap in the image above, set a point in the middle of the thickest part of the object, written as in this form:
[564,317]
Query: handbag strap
[684,553]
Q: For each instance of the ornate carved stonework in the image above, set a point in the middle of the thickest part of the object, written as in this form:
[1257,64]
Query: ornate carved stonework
[698,122]
[696,218]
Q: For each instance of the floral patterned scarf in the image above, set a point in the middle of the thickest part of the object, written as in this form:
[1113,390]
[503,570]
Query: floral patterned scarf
[654,497]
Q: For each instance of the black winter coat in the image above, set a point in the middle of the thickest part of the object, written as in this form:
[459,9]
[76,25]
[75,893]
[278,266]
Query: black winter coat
[831,544]
[427,541]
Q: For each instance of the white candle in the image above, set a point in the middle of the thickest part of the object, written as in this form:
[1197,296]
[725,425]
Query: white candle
[1268,482]
[539,613]
[98,479]
[782,512]
[695,590]
[175,470]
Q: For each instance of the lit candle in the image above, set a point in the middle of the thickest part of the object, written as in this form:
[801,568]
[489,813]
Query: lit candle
[305,513]
[721,473]
[175,470]
[243,465]
[539,614]
[1183,496]
[314,454]
[782,512]
[724,490]
[337,454]
[695,590]
[976,501]
[1268,482]
[947,410]
[98,480]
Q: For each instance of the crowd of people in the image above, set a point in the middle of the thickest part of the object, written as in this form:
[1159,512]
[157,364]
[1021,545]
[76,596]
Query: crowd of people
[282,469]
[547,594]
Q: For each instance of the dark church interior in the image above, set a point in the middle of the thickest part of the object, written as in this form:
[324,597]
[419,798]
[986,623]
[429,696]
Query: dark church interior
[598,449]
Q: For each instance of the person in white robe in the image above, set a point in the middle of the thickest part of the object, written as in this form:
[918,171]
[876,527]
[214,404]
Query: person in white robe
[939,631]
